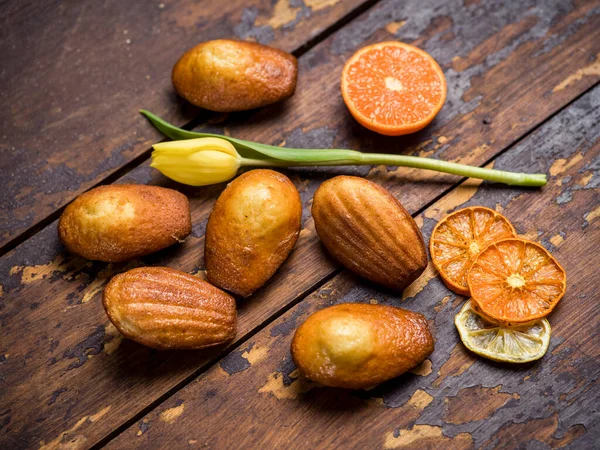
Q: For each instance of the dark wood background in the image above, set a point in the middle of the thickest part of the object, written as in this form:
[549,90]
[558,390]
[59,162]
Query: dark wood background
[523,95]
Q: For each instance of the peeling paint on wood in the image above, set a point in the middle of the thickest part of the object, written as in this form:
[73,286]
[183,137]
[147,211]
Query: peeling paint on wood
[590,216]
[172,414]
[561,165]
[420,399]
[419,284]
[276,386]
[256,354]
[393,27]
[96,417]
[424,369]
[317,5]
[283,14]
[68,440]
[113,339]
[426,437]
[557,240]
[591,70]
[440,306]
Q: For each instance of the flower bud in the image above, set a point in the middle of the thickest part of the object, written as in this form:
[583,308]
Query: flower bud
[196,162]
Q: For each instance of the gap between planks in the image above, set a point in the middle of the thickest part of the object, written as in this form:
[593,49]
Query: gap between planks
[251,333]
[145,155]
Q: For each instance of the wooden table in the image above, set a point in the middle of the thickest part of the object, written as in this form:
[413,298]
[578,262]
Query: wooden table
[523,95]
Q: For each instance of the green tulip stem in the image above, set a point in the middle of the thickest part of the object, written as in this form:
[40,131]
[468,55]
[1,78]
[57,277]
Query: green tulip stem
[463,170]
[261,155]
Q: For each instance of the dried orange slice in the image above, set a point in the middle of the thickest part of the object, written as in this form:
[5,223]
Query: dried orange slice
[515,281]
[393,88]
[458,238]
[515,344]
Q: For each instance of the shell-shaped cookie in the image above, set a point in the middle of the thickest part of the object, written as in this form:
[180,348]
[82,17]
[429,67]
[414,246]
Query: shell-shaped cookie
[367,230]
[167,309]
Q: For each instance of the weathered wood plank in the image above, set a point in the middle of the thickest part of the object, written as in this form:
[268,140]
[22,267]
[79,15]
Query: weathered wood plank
[75,74]
[51,300]
[255,398]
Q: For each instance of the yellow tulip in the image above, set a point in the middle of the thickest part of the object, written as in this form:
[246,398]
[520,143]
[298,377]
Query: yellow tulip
[203,158]
[197,162]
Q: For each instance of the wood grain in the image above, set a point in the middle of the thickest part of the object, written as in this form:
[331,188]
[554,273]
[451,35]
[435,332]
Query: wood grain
[75,74]
[255,397]
[54,325]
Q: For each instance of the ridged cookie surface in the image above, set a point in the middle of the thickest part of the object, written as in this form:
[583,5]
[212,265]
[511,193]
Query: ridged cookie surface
[367,230]
[168,309]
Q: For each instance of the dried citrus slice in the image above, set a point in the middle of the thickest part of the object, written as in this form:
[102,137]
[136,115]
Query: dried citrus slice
[393,88]
[514,281]
[516,345]
[458,238]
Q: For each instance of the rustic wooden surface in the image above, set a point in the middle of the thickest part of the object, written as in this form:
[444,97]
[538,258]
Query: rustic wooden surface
[254,396]
[68,379]
[74,75]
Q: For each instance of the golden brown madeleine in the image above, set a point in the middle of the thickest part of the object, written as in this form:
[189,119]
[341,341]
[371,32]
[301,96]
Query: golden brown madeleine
[355,345]
[168,309]
[251,230]
[367,230]
[124,221]
[226,75]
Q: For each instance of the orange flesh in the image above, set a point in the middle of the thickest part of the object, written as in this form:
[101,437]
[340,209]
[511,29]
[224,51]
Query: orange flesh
[393,86]
[516,281]
[458,238]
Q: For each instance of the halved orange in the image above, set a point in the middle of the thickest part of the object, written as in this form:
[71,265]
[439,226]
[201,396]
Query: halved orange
[458,238]
[393,88]
[516,281]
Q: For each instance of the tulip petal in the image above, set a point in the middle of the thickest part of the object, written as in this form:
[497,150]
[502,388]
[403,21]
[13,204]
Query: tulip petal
[198,144]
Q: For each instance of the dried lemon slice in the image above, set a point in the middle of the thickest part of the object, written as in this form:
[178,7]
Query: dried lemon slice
[520,344]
